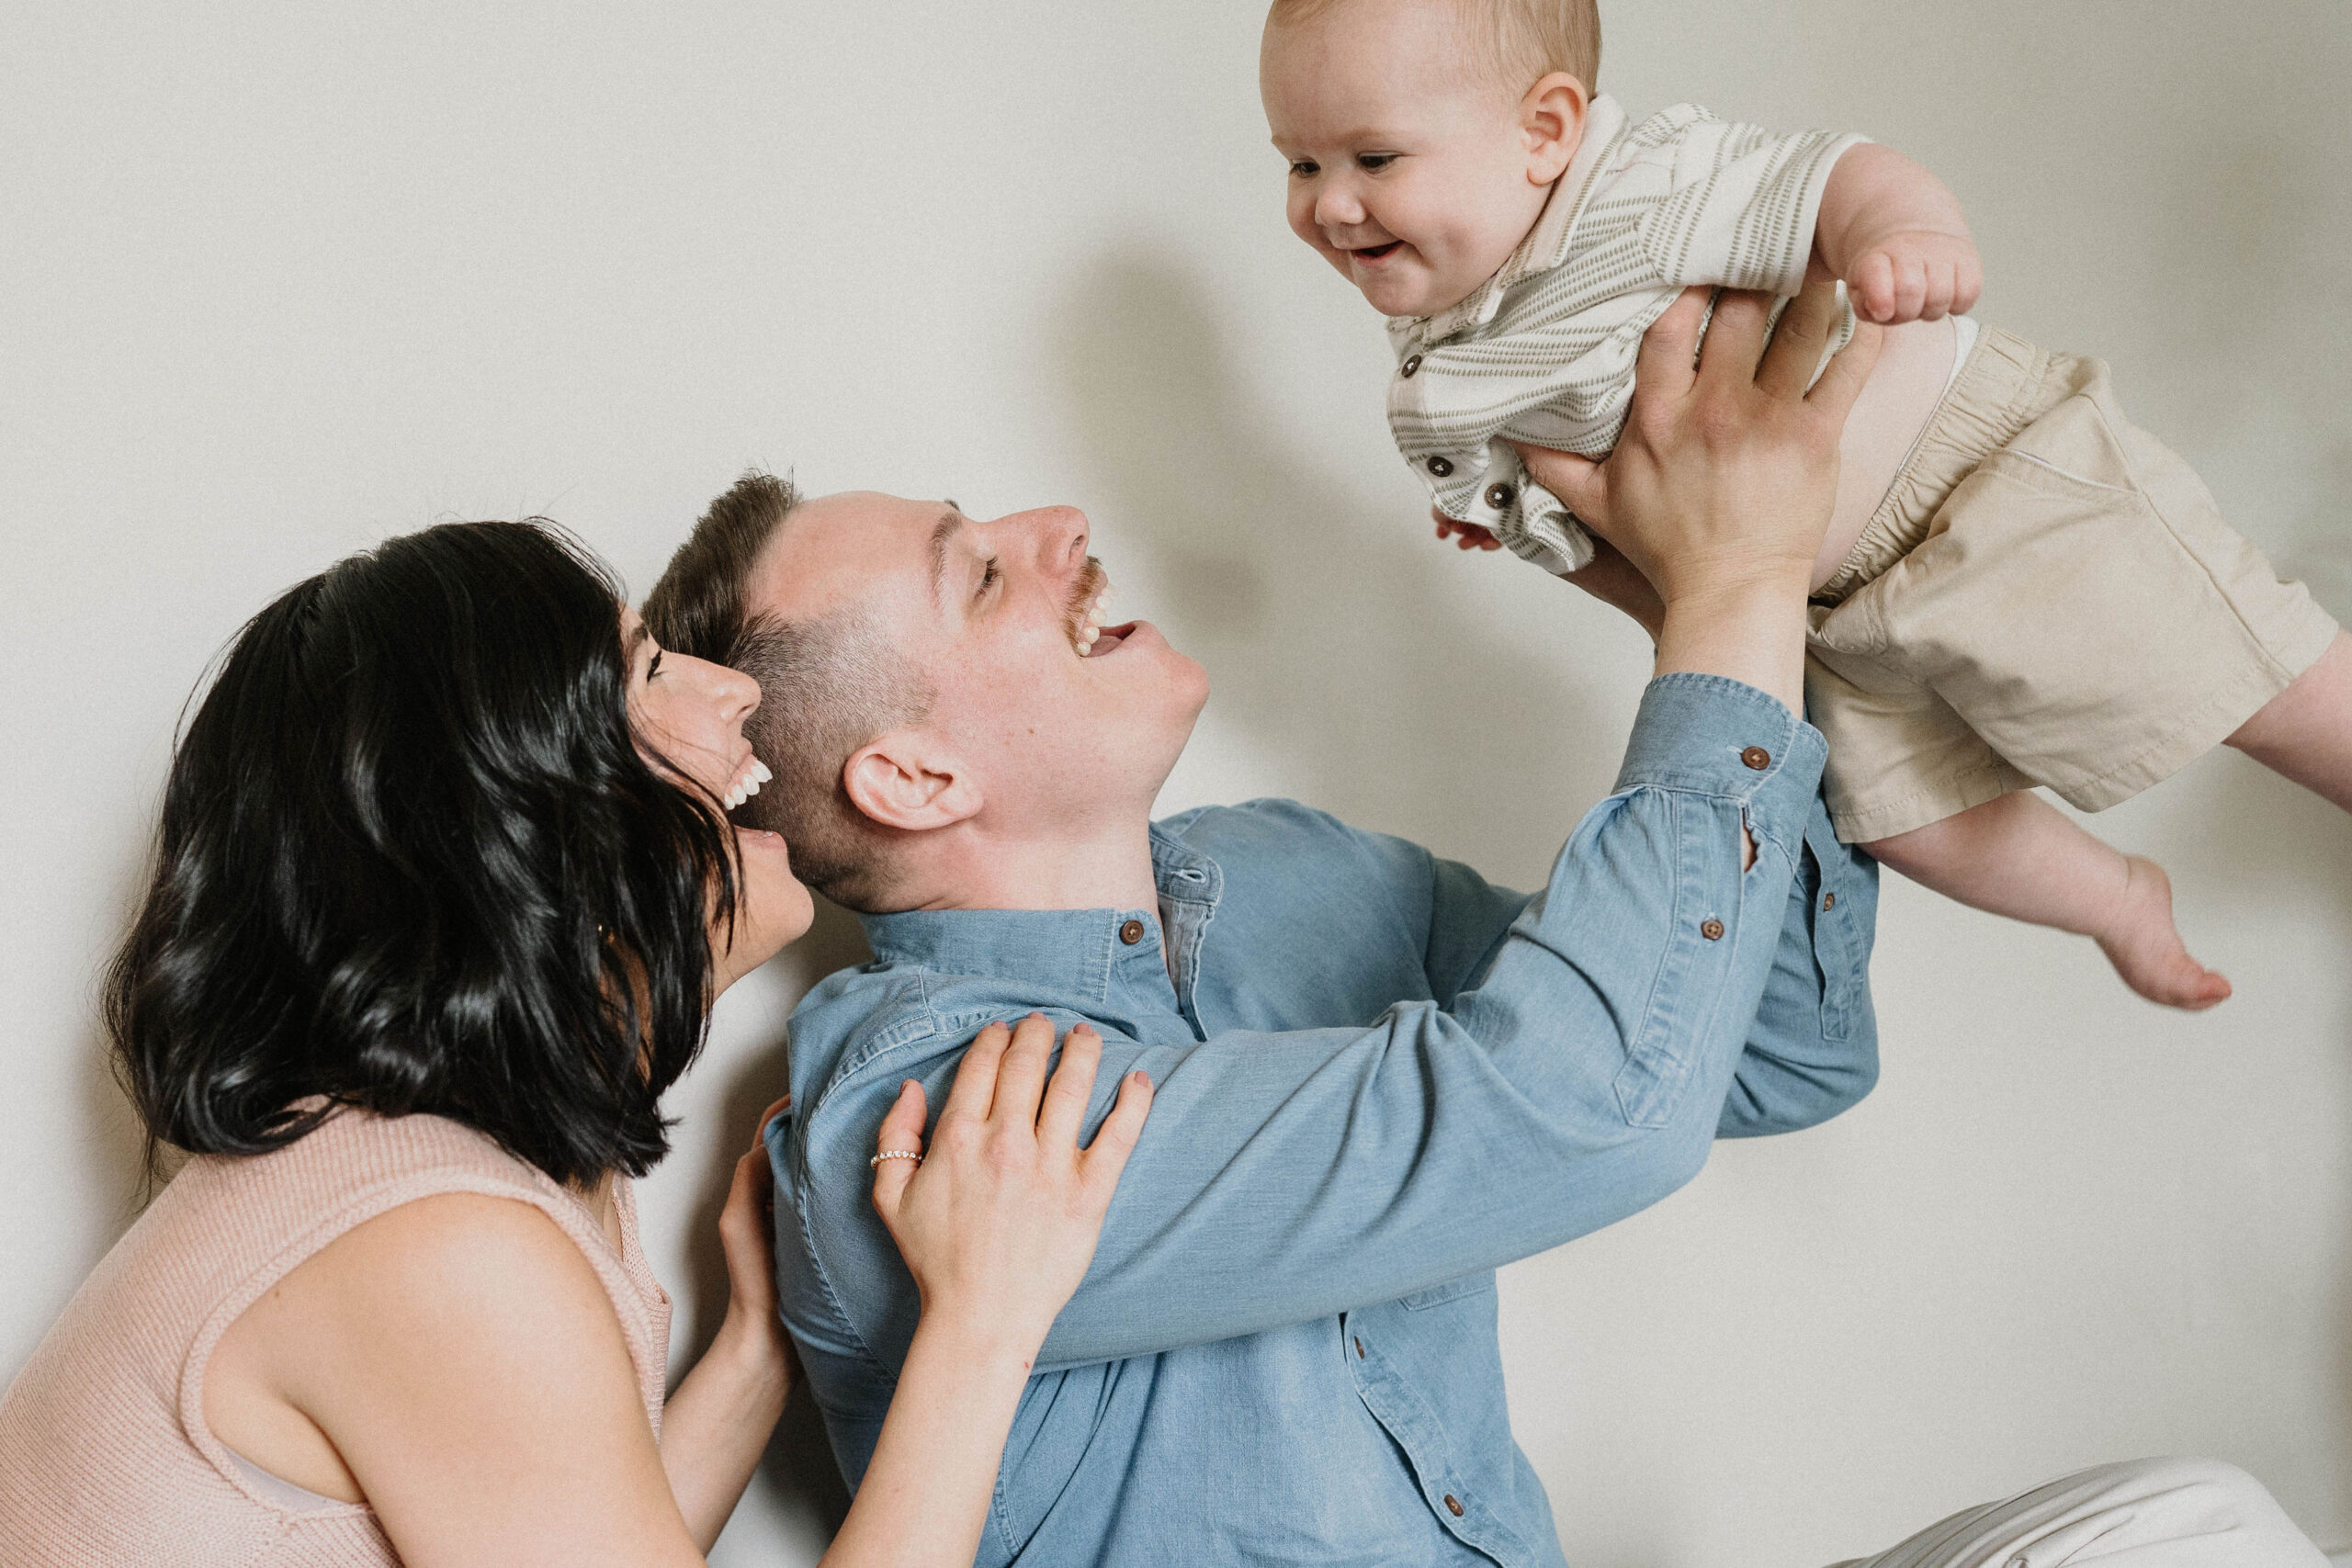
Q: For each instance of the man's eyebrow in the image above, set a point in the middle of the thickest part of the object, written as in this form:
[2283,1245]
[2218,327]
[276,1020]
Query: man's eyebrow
[637,636]
[941,533]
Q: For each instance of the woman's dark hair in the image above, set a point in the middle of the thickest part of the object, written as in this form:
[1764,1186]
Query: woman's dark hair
[412,859]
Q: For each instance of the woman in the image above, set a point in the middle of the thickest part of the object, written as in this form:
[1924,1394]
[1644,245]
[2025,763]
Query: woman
[443,891]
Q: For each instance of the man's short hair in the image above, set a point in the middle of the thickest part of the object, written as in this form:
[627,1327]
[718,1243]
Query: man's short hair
[1517,41]
[828,685]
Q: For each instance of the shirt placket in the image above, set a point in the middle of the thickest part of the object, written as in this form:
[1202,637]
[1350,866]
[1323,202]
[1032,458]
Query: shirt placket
[1408,1418]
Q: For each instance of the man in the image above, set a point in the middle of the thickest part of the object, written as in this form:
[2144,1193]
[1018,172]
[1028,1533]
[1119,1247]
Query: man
[1379,1078]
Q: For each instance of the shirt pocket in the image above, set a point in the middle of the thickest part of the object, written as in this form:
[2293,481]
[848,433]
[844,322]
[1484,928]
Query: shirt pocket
[1453,1290]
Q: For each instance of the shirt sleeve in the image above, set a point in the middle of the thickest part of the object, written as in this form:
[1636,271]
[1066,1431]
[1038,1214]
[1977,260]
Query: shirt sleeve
[1580,1079]
[1741,205]
[1814,1050]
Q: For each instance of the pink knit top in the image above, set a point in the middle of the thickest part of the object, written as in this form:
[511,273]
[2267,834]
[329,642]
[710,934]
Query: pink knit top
[104,1457]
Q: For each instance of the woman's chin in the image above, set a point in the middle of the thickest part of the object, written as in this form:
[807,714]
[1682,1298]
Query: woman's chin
[773,909]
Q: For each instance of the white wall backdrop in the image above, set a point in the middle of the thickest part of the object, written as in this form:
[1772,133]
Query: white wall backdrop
[278,281]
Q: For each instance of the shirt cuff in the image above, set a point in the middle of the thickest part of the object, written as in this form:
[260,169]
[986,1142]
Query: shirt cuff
[1711,735]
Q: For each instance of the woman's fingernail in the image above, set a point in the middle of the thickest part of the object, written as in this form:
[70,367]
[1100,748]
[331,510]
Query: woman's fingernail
[1141,1079]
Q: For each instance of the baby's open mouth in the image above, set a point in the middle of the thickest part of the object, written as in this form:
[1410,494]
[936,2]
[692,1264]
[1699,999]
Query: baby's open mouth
[1374,252]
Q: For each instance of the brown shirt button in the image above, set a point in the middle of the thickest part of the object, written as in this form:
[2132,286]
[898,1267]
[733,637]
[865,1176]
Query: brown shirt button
[1453,1504]
[1131,932]
[1713,930]
[1441,466]
[1412,363]
[1500,496]
[1756,756]
[1829,900]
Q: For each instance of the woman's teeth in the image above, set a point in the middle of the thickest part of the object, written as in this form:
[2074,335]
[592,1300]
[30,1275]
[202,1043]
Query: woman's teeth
[746,783]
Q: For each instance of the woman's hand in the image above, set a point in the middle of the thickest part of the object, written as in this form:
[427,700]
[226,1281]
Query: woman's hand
[747,1238]
[999,1220]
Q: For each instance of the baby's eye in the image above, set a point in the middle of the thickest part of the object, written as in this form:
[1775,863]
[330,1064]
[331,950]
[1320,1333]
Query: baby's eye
[1304,168]
[1374,160]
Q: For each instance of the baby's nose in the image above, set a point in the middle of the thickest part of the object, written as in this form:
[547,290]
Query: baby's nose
[1338,208]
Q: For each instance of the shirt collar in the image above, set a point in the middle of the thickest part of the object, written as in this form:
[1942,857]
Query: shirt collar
[1078,951]
[1547,243]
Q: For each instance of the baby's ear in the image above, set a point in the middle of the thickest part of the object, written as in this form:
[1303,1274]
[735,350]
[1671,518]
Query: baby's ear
[1552,120]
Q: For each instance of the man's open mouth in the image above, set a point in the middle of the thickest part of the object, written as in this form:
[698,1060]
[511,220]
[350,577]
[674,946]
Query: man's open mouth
[1374,252]
[1090,637]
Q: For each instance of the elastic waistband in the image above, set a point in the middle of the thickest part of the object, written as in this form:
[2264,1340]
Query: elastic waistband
[2006,384]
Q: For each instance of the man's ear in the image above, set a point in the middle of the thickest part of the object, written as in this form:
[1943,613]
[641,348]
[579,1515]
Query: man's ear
[1552,118]
[908,780]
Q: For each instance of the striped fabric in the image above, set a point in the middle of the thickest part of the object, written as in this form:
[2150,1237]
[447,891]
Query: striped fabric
[1544,351]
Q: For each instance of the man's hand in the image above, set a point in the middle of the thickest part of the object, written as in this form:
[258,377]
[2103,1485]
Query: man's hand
[1719,488]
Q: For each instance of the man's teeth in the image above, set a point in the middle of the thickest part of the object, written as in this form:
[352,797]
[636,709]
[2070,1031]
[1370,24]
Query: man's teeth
[1091,625]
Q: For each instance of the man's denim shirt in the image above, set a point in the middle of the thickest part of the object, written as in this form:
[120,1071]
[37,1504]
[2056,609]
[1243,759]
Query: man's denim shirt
[1379,1078]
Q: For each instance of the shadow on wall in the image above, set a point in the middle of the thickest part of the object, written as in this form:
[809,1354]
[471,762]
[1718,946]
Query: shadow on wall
[1330,631]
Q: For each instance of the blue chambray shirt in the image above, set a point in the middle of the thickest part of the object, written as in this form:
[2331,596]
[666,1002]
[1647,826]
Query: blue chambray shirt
[1379,1078]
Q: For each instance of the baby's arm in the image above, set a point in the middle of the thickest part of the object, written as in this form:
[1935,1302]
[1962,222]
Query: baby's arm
[1896,237]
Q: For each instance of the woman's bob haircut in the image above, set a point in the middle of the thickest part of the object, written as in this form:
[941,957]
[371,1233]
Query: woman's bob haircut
[411,859]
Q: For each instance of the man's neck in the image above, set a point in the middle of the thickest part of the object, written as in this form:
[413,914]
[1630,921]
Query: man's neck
[1094,866]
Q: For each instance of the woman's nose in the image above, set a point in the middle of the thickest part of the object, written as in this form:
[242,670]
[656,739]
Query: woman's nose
[730,692]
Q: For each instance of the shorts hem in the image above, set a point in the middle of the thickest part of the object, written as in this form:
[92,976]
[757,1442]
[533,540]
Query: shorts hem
[2219,717]
[1925,806]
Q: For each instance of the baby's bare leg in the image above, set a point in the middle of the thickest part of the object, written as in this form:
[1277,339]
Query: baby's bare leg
[2019,856]
[2305,732]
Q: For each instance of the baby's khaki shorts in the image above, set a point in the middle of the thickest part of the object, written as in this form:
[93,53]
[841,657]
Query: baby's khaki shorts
[2045,596]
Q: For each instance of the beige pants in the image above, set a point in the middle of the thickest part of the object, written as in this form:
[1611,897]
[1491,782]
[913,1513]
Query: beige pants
[2150,1513]
[2046,595]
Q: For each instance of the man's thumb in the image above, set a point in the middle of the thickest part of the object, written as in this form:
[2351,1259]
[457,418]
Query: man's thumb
[1577,481]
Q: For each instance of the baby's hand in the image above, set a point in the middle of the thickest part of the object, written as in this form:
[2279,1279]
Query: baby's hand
[1915,274]
[1465,536]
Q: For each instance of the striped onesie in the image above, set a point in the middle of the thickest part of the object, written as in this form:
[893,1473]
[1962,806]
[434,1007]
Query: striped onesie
[1544,351]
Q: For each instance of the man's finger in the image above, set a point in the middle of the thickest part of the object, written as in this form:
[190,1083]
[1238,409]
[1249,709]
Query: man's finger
[1021,1079]
[973,1094]
[1841,383]
[902,1132]
[1579,482]
[1797,342]
[1667,367]
[1066,1096]
[1106,1156]
[1735,344]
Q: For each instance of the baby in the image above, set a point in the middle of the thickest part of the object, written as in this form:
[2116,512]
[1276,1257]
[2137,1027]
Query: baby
[2019,587]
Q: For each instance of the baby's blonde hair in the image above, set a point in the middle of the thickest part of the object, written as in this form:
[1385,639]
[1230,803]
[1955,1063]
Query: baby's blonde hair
[1522,41]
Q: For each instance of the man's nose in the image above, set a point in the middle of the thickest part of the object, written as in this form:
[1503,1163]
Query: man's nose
[1059,535]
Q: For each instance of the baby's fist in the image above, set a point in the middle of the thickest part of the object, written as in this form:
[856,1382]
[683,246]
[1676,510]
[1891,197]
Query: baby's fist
[1465,536]
[1915,274]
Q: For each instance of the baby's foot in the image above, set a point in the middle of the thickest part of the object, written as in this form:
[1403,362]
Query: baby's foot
[2145,945]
